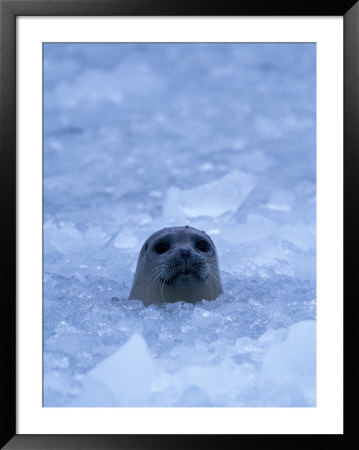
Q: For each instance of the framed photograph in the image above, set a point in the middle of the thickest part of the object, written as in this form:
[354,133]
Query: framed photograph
[174,178]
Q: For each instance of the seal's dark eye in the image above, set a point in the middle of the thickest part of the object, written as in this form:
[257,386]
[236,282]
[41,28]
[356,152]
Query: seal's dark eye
[203,246]
[161,247]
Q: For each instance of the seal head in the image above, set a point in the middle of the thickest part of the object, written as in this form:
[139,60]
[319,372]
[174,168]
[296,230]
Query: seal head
[177,263]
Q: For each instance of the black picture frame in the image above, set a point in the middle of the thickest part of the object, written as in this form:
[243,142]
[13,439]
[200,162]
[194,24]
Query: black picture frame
[9,10]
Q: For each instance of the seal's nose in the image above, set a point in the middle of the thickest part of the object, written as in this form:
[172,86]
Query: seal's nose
[185,253]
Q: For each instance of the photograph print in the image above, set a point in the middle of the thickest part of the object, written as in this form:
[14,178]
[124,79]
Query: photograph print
[179,225]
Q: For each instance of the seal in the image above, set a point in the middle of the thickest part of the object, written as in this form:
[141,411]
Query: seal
[177,263]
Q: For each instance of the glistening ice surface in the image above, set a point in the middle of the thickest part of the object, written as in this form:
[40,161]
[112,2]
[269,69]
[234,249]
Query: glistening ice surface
[220,137]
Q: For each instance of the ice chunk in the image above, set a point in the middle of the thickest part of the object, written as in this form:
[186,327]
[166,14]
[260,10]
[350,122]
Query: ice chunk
[257,227]
[124,378]
[211,199]
[64,238]
[281,201]
[194,396]
[96,237]
[125,240]
[95,393]
[293,362]
[219,383]
[299,234]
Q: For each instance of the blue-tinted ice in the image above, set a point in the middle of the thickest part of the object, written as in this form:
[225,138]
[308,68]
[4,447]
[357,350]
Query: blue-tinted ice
[217,136]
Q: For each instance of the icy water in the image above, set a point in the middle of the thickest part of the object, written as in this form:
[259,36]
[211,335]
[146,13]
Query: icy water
[220,137]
